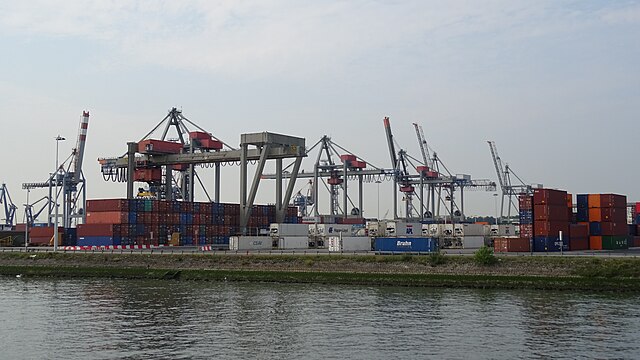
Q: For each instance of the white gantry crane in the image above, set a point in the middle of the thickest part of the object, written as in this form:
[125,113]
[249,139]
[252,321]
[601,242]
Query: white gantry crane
[510,191]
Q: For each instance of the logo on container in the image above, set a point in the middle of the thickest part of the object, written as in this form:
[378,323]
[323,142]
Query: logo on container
[257,242]
[409,230]
[401,243]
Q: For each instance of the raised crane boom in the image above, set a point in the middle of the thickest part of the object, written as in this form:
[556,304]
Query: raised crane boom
[78,152]
[392,148]
[498,164]
[424,149]
[9,206]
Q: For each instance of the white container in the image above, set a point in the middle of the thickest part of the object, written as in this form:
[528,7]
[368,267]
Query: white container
[399,228]
[250,243]
[349,243]
[503,230]
[279,230]
[435,230]
[446,230]
[469,230]
[374,229]
[325,230]
[473,242]
[293,242]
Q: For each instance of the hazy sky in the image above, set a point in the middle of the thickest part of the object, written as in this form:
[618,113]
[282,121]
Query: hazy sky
[555,83]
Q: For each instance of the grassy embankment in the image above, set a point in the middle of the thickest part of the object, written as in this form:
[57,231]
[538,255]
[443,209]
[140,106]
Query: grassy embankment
[565,273]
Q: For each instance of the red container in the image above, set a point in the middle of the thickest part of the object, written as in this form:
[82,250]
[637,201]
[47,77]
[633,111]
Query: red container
[550,213]
[107,217]
[199,135]
[613,201]
[614,229]
[348,157]
[617,215]
[525,202]
[107,205]
[98,230]
[547,228]
[44,231]
[569,201]
[637,208]
[159,147]
[150,175]
[579,231]
[211,144]
[511,244]
[579,243]
[549,197]
[526,230]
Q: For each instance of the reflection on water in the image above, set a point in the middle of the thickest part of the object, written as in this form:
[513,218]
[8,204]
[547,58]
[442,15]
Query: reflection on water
[105,319]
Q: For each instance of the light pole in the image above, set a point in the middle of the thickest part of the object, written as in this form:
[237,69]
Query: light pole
[55,223]
[378,182]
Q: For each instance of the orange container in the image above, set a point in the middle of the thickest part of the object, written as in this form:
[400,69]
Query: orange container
[594,200]
[107,217]
[595,214]
[595,242]
[570,201]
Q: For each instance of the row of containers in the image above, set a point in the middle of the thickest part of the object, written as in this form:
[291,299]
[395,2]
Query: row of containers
[336,244]
[111,222]
[548,223]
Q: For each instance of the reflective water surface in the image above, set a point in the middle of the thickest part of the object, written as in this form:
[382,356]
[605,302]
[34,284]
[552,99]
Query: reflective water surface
[141,319]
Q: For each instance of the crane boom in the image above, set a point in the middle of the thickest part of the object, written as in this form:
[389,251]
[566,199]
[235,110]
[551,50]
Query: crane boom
[392,148]
[423,144]
[497,163]
[79,150]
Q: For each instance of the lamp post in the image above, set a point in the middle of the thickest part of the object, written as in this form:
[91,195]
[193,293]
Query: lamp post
[378,182]
[55,223]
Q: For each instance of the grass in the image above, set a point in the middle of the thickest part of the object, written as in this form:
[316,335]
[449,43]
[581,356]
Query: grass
[584,273]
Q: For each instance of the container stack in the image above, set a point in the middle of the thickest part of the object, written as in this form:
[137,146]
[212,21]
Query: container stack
[154,222]
[550,218]
[525,203]
[607,217]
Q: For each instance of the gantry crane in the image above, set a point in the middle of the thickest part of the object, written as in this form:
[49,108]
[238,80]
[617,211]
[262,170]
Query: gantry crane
[9,208]
[157,159]
[509,190]
[69,181]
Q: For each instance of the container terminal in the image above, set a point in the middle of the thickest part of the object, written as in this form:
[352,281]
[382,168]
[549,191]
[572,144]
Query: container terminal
[161,173]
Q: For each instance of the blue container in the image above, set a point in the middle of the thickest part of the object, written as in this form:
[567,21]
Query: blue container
[69,237]
[401,244]
[186,240]
[95,241]
[140,230]
[633,230]
[582,215]
[189,219]
[595,228]
[526,217]
[549,244]
[133,218]
[638,219]
[582,201]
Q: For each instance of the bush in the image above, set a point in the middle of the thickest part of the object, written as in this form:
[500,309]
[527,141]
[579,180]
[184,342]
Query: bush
[484,256]
[436,258]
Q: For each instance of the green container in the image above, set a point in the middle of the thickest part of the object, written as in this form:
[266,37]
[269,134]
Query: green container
[614,242]
[148,205]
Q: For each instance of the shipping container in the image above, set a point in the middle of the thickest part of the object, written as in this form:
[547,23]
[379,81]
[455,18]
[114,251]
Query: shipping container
[397,244]
[250,243]
[607,229]
[120,205]
[289,230]
[607,242]
[399,228]
[97,241]
[98,230]
[470,230]
[504,244]
[110,217]
[582,215]
[159,147]
[473,242]
[636,241]
[525,202]
[550,213]
[576,244]
[549,197]
[350,243]
[549,243]
[582,201]
[293,242]
[578,231]
[324,230]
[502,230]
[545,228]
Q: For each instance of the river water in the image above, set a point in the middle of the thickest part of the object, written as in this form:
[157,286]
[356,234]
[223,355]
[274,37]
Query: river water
[142,319]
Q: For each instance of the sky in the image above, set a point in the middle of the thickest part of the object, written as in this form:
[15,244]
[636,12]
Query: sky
[556,84]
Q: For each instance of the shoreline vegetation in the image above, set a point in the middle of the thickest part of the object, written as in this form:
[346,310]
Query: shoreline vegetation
[435,270]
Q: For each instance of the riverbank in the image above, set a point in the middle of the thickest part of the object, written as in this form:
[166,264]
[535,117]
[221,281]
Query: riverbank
[539,272]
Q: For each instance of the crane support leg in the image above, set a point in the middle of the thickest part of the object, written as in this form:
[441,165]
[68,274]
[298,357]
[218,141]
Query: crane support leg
[132,147]
[247,202]
[280,214]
